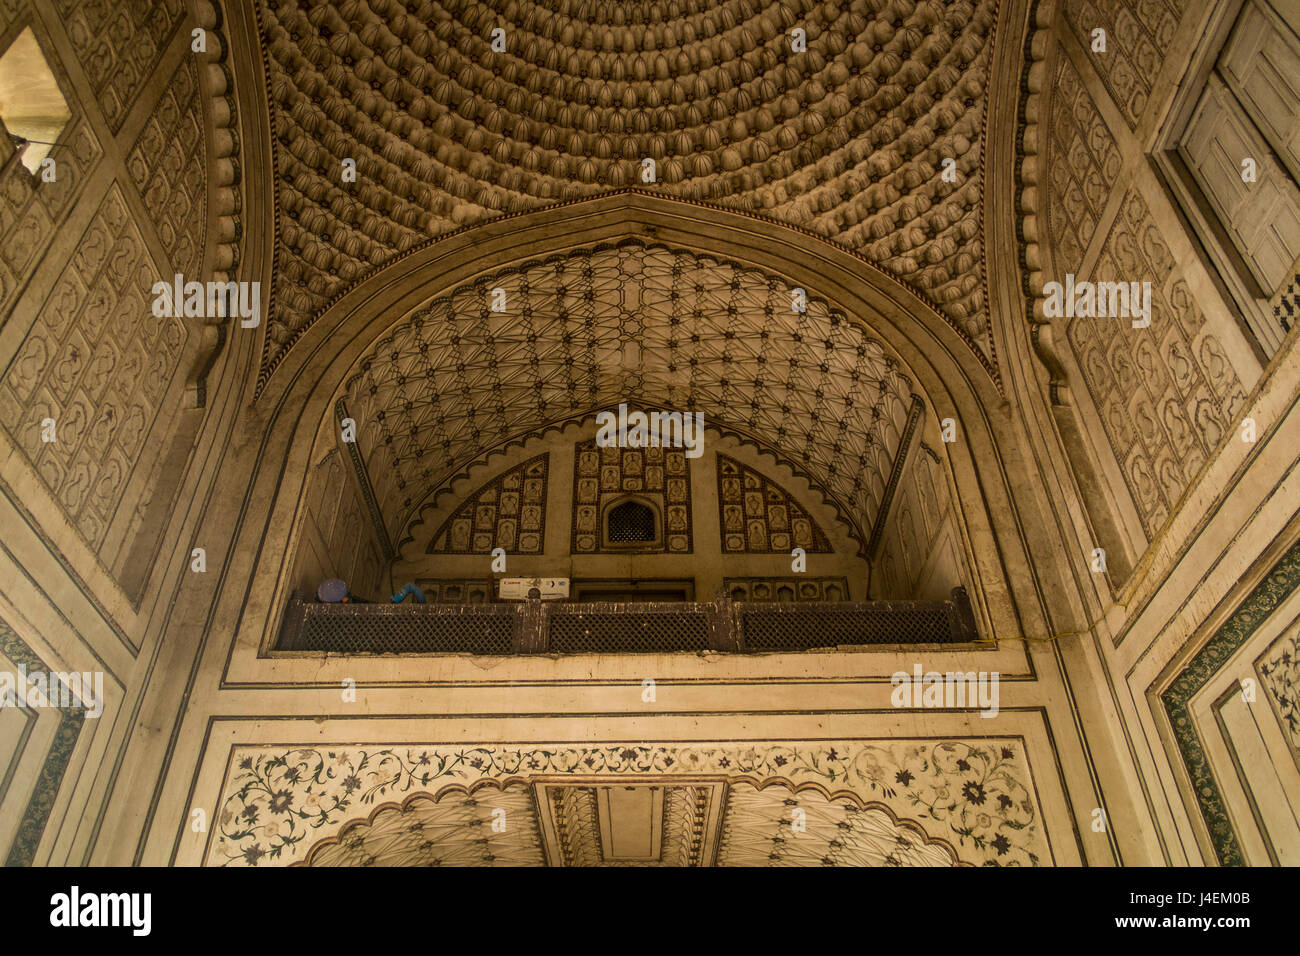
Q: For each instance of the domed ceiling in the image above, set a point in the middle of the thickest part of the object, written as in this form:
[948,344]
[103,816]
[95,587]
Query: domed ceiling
[847,139]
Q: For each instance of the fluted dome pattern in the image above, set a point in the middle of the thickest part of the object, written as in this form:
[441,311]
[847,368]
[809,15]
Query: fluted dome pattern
[846,139]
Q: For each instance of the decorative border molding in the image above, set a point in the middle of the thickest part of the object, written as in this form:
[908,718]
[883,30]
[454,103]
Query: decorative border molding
[1280,582]
[1032,125]
[22,851]
[796,583]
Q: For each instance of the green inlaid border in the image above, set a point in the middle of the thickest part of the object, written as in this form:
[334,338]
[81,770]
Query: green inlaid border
[1280,582]
[22,852]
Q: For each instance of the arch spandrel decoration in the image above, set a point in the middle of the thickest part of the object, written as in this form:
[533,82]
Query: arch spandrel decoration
[948,374]
[962,801]
[508,512]
[706,822]
[627,322]
[757,515]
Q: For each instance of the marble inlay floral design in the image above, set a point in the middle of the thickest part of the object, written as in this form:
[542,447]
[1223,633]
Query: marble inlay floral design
[1279,670]
[978,795]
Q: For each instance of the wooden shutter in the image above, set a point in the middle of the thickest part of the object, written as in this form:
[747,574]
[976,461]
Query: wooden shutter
[1261,66]
[1263,217]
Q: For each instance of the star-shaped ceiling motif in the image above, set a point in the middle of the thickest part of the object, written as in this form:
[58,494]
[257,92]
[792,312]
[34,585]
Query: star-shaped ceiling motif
[638,323]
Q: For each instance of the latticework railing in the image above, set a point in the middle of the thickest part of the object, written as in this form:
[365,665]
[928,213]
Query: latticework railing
[537,627]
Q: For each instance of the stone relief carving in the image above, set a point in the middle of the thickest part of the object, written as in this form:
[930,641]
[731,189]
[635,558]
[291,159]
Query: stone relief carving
[758,516]
[97,362]
[119,46]
[31,210]
[604,475]
[914,528]
[1138,36]
[1083,163]
[167,167]
[336,509]
[1166,394]
[794,588]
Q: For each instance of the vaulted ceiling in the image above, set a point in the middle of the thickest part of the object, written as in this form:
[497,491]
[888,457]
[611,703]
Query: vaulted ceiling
[847,139]
[634,322]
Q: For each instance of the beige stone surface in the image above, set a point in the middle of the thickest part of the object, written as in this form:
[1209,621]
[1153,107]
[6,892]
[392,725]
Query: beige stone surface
[925,416]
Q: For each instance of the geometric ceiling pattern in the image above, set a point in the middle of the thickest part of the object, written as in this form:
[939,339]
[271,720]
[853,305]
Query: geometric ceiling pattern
[849,138]
[847,802]
[638,323]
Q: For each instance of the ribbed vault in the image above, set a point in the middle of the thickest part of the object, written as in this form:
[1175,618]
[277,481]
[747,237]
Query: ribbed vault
[632,322]
[847,139]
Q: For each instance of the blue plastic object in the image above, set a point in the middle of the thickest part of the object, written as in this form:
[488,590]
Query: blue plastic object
[400,596]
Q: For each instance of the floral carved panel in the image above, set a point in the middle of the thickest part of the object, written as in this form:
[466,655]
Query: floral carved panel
[96,364]
[1166,394]
[976,796]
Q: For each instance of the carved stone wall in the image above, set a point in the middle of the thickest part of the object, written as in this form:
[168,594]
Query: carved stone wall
[920,554]
[97,363]
[167,167]
[1138,36]
[85,349]
[119,46]
[1151,419]
[93,517]
[337,539]
[1083,163]
[32,211]
[1166,394]
[601,476]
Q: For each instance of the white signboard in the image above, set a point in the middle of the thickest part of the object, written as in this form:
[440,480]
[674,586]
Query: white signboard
[516,589]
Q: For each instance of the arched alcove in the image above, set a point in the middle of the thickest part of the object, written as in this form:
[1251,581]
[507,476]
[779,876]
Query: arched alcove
[846,292]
